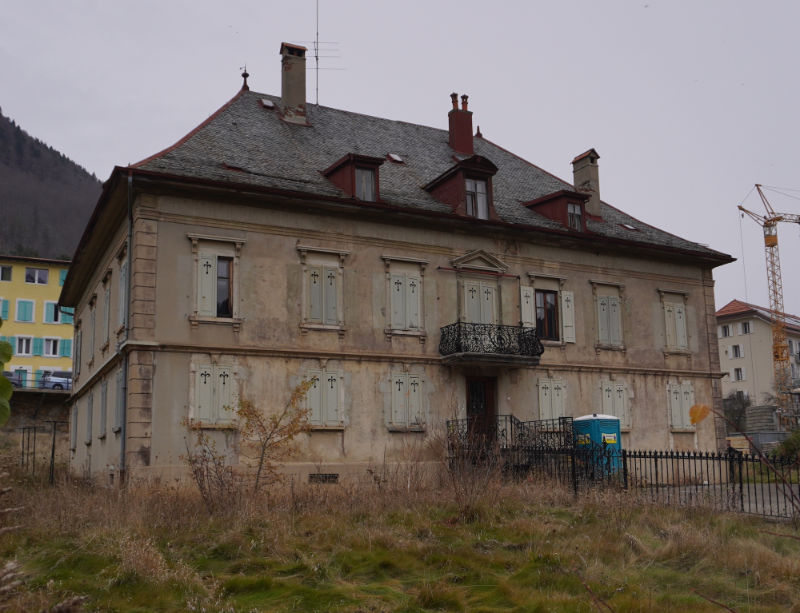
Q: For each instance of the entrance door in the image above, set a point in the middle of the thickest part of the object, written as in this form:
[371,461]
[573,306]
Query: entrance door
[481,409]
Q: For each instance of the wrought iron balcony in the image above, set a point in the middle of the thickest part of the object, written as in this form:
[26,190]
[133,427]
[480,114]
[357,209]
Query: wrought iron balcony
[463,342]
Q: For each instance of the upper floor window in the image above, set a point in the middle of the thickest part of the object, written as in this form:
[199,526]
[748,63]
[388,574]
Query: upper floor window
[745,327]
[725,330]
[365,184]
[216,286]
[25,310]
[574,216]
[477,199]
[36,275]
[736,351]
[549,308]
[404,287]
[480,302]
[323,300]
[5,273]
[547,315]
[676,331]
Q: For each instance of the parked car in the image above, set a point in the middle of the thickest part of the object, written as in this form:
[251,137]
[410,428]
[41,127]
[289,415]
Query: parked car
[56,380]
[13,378]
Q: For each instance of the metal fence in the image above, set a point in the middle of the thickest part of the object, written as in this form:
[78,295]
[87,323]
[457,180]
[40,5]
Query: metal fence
[45,436]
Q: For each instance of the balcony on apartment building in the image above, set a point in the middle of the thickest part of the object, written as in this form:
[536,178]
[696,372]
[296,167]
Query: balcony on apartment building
[477,343]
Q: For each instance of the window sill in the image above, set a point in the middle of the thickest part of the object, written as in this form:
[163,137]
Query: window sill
[306,327]
[207,425]
[607,347]
[236,322]
[101,437]
[317,428]
[549,342]
[402,429]
[683,430]
[685,352]
[421,334]
[116,429]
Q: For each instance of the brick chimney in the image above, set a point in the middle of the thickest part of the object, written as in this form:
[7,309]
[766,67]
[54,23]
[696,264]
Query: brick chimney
[586,178]
[460,126]
[293,83]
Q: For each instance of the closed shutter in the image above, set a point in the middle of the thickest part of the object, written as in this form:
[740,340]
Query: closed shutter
[314,397]
[398,287]
[526,306]
[399,395]
[73,428]
[49,312]
[567,316]
[25,310]
[65,349]
[122,293]
[669,321]
[89,415]
[607,391]
[204,393]
[12,340]
[330,296]
[682,341]
[559,392]
[488,304]
[78,348]
[4,309]
[472,301]
[67,315]
[687,402]
[106,313]
[415,411]
[92,330]
[120,404]
[615,320]
[674,392]
[315,294]
[602,319]
[413,301]
[621,404]
[223,394]
[545,399]
[331,398]
[62,275]
[103,407]
[207,285]
[38,346]
[38,378]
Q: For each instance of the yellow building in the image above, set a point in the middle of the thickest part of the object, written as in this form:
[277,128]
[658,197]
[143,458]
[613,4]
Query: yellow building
[39,332]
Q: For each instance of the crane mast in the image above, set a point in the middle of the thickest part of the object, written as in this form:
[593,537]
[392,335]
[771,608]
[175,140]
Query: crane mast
[780,348]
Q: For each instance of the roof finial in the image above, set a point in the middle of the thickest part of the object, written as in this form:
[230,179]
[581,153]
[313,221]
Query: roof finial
[245,74]
[478,133]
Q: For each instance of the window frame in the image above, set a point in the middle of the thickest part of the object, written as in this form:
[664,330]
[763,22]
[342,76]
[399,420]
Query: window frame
[746,328]
[360,172]
[615,401]
[674,306]
[573,216]
[550,335]
[32,302]
[51,340]
[3,269]
[725,331]
[411,269]
[218,247]
[472,200]
[739,374]
[401,404]
[552,393]
[611,292]
[36,275]
[311,259]
[56,319]
[324,421]
[20,338]
[685,401]
[215,416]
[565,305]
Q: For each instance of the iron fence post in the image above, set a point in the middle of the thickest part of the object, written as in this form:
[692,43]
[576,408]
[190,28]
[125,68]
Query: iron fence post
[624,469]
[741,483]
[574,471]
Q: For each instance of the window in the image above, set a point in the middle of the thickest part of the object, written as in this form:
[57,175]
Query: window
[73,429]
[3,309]
[551,398]
[615,401]
[106,312]
[36,275]
[407,394]
[323,399]
[547,315]
[214,391]
[122,298]
[745,327]
[675,321]
[736,351]
[404,288]
[78,348]
[323,300]
[103,408]
[480,302]
[5,273]
[92,325]
[51,313]
[119,411]
[51,348]
[681,399]
[25,310]
[609,320]
[89,414]
[216,283]
[477,199]
[24,345]
[574,216]
[725,331]
[365,184]
[738,374]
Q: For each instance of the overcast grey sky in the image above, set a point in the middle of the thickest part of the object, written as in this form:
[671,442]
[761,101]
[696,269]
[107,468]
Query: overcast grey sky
[689,103]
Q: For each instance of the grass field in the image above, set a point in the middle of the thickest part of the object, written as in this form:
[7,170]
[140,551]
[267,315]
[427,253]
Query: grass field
[390,545]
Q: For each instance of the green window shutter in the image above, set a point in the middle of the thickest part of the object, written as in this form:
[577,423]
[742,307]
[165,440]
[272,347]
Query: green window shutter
[49,312]
[331,398]
[123,292]
[607,392]
[4,309]
[330,296]
[65,347]
[37,378]
[78,348]
[559,393]
[415,411]
[315,282]
[603,333]
[204,393]
[545,399]
[38,346]
[89,412]
[314,397]
[567,316]
[67,315]
[224,394]
[488,304]
[681,338]
[413,302]
[62,276]
[12,340]
[472,302]
[399,396]
[527,308]
[103,408]
[25,310]
[615,320]
[120,404]
[207,285]
[398,292]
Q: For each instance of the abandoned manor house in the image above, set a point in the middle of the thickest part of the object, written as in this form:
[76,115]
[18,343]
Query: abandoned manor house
[415,275]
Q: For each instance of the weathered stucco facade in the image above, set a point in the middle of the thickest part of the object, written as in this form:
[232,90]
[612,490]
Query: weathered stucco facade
[384,387]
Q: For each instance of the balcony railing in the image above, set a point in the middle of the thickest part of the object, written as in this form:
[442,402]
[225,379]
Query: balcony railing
[462,337]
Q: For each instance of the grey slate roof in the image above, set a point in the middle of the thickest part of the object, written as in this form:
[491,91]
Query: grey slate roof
[247,143]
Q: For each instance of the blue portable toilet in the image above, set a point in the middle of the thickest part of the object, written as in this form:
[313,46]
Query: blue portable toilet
[599,432]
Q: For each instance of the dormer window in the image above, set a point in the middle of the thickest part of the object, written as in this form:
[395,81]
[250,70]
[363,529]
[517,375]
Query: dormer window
[365,184]
[574,216]
[477,201]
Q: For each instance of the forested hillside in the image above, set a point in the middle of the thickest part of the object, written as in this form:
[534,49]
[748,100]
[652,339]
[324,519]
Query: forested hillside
[45,198]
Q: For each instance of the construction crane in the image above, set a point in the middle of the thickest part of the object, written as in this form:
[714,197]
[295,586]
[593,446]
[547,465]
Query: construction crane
[780,348]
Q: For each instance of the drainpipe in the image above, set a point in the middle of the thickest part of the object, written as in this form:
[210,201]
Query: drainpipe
[125,319]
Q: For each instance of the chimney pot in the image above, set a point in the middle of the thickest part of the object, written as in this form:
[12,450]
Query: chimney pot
[464,99]
[454,98]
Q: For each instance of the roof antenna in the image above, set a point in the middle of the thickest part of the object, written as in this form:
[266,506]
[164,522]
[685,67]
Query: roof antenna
[245,74]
